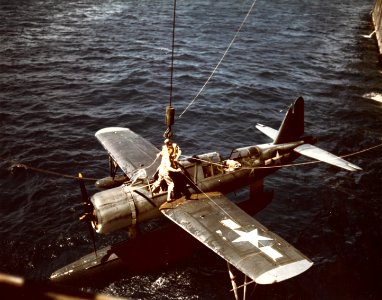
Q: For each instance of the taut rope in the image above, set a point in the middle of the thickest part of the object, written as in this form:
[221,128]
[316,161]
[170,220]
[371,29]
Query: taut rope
[220,61]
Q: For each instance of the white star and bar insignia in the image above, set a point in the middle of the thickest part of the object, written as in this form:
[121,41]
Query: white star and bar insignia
[252,237]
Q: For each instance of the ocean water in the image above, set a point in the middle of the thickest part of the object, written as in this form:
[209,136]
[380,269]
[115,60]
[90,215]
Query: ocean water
[70,68]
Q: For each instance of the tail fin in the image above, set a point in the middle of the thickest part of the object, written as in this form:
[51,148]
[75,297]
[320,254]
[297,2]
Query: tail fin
[292,127]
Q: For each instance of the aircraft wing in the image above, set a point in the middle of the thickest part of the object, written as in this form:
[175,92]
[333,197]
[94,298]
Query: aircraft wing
[268,131]
[325,156]
[129,150]
[237,237]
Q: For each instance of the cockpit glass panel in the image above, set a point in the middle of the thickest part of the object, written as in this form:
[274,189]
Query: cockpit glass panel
[251,151]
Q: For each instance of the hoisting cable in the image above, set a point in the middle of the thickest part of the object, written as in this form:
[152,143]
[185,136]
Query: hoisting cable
[221,60]
[170,111]
[172,50]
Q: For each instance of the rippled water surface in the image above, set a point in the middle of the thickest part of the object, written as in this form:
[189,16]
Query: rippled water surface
[69,68]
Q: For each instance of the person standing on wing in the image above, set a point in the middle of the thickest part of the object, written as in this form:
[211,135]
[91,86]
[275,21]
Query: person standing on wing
[167,165]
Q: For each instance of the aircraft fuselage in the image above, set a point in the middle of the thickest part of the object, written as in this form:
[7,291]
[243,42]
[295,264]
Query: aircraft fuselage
[133,202]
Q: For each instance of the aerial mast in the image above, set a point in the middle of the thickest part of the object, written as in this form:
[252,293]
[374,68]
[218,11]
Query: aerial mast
[170,111]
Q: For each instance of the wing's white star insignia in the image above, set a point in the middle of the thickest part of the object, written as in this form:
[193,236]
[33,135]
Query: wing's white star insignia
[253,237]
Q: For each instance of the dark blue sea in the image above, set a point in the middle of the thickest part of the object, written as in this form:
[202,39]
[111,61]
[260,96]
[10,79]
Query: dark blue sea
[70,68]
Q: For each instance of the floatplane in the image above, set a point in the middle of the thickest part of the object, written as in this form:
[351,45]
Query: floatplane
[202,213]
[206,215]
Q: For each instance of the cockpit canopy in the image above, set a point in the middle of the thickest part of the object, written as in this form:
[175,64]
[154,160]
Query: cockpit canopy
[251,151]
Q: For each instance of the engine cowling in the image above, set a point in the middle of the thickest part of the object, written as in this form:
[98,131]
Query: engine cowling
[122,207]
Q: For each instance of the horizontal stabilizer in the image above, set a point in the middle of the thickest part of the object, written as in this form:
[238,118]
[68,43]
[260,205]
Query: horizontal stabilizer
[325,156]
[237,237]
[268,131]
[129,150]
